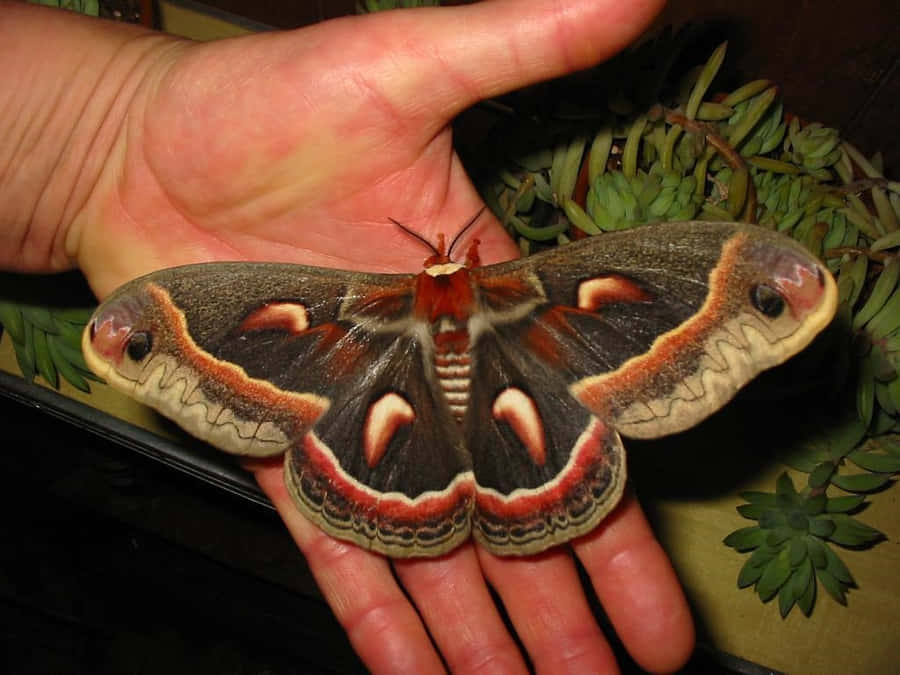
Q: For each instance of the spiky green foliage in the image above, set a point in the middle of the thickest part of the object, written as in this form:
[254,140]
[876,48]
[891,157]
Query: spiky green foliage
[644,151]
[89,7]
[47,342]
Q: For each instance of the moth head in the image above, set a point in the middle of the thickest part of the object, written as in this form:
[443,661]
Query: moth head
[439,268]
[441,262]
[121,337]
[785,285]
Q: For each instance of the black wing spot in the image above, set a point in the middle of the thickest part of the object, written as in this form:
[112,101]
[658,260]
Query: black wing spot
[767,300]
[139,345]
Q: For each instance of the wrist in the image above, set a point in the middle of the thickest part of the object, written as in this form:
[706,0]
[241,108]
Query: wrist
[71,82]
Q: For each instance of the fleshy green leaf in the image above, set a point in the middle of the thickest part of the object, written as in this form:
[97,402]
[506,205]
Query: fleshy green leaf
[815,504]
[761,556]
[843,504]
[797,551]
[784,488]
[752,511]
[820,474]
[816,553]
[25,356]
[12,321]
[773,577]
[806,458]
[761,498]
[807,597]
[40,318]
[821,527]
[875,461]
[849,531]
[846,437]
[861,482]
[786,600]
[889,444]
[778,536]
[772,518]
[746,538]
[749,574]
[834,587]
[836,567]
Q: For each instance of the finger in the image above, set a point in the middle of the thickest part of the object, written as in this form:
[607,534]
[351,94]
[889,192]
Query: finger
[637,586]
[454,601]
[383,627]
[461,55]
[546,603]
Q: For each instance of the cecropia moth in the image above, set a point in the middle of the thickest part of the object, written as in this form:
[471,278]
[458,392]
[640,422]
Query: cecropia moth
[415,410]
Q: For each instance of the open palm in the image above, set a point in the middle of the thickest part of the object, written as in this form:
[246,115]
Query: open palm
[291,147]
[298,147]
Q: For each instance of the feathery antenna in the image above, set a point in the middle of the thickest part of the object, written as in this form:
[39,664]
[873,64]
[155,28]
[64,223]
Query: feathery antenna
[463,231]
[416,235]
[432,246]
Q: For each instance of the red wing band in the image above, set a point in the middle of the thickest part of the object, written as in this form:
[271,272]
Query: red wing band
[528,521]
[391,523]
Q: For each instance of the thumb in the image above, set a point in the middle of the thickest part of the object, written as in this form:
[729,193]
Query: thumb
[461,55]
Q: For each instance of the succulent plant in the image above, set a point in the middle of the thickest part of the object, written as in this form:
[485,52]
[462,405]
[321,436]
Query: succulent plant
[89,7]
[793,542]
[688,154]
[370,6]
[47,342]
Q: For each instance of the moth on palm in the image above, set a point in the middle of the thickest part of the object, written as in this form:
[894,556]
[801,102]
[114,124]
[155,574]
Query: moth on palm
[417,410]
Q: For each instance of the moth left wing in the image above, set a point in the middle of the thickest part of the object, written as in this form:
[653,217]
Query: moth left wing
[644,332]
[261,359]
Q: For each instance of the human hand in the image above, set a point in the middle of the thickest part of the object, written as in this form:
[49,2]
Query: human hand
[297,147]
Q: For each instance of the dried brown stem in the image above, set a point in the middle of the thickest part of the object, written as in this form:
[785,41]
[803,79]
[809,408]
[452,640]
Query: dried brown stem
[877,256]
[861,185]
[729,153]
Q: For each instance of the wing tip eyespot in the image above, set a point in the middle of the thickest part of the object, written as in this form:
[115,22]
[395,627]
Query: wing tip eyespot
[139,345]
[767,300]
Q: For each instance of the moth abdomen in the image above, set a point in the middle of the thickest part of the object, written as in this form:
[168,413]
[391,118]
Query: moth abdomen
[453,366]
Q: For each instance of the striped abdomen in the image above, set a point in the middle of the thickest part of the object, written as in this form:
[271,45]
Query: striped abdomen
[452,363]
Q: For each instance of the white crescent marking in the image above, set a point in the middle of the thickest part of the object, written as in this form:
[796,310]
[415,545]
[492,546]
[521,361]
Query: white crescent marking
[518,410]
[289,316]
[385,416]
[602,290]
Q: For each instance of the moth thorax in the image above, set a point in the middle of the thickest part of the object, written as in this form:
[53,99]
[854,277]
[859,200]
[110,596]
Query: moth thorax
[452,364]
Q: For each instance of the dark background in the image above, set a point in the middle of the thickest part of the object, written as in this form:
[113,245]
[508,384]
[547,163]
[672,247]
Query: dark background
[113,563]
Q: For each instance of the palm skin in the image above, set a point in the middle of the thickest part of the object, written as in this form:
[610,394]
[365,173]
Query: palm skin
[298,147]
[232,163]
